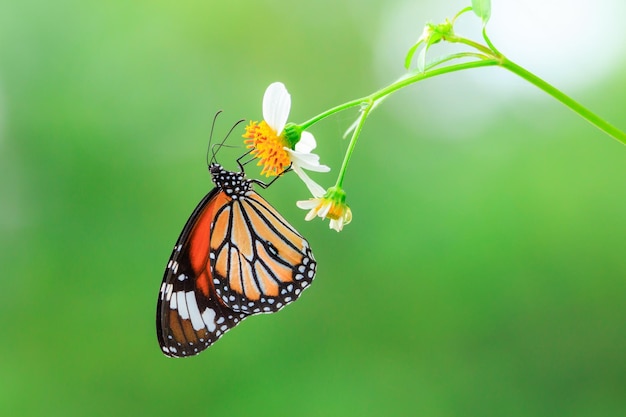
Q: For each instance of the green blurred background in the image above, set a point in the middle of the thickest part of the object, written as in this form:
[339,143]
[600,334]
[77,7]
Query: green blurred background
[483,274]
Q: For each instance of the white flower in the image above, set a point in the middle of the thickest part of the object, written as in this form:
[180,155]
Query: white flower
[271,146]
[330,206]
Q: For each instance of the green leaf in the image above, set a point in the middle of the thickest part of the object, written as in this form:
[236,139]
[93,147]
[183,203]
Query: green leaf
[409,55]
[482,8]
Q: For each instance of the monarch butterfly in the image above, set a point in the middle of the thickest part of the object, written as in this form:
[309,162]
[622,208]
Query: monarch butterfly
[236,257]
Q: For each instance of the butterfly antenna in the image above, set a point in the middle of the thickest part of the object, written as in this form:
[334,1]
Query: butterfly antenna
[211,138]
[219,145]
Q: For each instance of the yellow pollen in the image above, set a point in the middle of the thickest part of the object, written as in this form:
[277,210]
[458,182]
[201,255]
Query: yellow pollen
[268,147]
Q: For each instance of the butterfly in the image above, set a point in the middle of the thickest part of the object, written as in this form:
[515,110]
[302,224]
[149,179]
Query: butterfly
[236,257]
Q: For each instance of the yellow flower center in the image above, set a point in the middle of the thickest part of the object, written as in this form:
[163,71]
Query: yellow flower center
[336,211]
[268,147]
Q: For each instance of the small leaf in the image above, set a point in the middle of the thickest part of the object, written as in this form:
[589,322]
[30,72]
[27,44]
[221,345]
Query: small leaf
[409,55]
[482,8]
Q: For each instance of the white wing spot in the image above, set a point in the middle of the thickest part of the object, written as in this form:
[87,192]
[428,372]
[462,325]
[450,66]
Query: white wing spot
[173,305]
[182,305]
[194,312]
[208,316]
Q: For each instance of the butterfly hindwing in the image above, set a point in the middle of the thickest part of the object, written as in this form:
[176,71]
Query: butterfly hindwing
[190,316]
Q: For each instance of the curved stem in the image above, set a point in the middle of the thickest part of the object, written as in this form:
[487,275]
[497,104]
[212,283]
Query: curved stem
[329,112]
[353,140]
[401,83]
[584,112]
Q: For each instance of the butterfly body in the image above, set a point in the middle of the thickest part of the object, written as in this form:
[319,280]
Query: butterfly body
[236,257]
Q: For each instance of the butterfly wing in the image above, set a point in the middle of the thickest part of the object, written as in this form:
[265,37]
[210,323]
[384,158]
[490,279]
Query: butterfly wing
[260,263]
[190,316]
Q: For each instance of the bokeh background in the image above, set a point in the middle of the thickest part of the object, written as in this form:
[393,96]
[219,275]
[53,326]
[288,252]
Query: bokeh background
[484,272]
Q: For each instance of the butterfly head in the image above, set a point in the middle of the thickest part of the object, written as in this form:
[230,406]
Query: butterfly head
[234,184]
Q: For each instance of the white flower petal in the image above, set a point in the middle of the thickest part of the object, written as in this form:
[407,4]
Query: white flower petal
[306,143]
[310,215]
[336,224]
[308,161]
[313,187]
[323,211]
[307,204]
[276,106]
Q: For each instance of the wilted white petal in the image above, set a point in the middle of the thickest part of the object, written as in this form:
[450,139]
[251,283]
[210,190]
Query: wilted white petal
[276,106]
[352,127]
[313,187]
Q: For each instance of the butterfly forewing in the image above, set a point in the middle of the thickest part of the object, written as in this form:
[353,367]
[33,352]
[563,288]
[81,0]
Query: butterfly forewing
[260,262]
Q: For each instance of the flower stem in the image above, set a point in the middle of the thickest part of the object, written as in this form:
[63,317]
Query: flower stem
[397,85]
[330,112]
[357,131]
[496,59]
[403,82]
[584,112]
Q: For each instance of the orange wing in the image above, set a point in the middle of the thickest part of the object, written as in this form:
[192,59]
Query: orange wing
[190,316]
[235,257]
[260,263]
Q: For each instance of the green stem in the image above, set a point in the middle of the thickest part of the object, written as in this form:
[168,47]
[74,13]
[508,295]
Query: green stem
[329,112]
[371,100]
[353,140]
[584,112]
[403,82]
[498,59]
